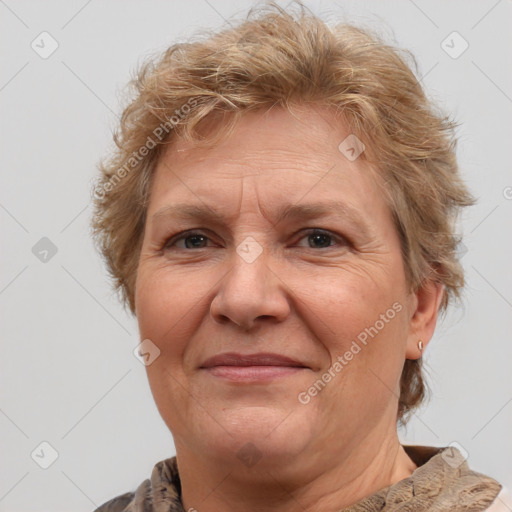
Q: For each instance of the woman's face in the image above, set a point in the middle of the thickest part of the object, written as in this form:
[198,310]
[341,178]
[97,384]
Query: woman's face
[322,285]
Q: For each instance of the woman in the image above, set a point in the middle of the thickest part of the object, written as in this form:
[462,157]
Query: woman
[279,216]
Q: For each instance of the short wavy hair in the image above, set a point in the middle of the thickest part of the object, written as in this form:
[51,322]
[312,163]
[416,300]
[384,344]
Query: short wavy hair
[278,57]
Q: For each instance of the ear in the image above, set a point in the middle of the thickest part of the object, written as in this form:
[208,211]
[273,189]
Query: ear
[423,316]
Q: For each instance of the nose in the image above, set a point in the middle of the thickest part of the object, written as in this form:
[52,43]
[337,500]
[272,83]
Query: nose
[250,293]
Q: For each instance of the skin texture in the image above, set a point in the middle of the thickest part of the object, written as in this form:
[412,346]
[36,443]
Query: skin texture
[304,297]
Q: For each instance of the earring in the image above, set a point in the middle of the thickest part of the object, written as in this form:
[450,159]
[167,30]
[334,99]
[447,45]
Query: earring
[420,346]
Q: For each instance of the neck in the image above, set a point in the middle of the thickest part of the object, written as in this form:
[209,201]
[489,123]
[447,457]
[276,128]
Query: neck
[314,485]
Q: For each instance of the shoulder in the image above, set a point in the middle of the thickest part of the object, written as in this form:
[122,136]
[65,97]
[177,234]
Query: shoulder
[118,504]
[502,503]
[163,486]
[129,501]
[444,479]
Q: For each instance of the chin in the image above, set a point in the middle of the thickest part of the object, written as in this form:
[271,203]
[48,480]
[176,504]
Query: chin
[267,434]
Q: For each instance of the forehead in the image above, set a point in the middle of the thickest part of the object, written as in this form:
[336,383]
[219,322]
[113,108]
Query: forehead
[272,157]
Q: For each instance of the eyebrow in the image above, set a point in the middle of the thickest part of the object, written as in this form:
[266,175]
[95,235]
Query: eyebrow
[186,211]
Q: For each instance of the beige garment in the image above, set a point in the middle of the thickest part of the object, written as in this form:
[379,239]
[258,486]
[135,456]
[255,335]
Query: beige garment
[502,503]
[442,482]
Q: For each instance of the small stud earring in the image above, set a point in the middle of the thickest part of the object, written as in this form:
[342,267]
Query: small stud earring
[420,345]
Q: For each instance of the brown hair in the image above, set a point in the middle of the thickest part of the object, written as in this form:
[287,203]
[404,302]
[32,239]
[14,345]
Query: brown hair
[278,57]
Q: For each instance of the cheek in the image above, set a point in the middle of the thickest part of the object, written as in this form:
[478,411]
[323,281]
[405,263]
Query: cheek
[166,303]
[350,302]
[361,317]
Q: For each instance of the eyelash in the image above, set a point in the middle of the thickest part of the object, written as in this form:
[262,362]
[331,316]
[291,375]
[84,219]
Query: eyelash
[311,231]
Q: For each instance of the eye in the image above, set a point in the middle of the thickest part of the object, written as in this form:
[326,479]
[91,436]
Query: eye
[190,239]
[319,239]
[315,238]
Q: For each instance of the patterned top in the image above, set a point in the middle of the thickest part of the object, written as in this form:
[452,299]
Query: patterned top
[442,482]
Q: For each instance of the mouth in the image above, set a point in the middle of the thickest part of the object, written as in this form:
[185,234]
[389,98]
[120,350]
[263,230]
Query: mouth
[252,367]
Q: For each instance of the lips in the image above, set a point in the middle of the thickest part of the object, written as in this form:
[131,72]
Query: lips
[262,368]
[261,359]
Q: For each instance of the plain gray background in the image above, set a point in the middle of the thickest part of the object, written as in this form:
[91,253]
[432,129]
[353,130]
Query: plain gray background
[68,373]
